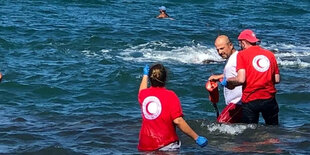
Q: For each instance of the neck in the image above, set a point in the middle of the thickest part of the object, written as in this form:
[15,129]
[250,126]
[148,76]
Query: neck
[233,50]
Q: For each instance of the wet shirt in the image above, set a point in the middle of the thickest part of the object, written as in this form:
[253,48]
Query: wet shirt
[159,107]
[260,68]
[234,95]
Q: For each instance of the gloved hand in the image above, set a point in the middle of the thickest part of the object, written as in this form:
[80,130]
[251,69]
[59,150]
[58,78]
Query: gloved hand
[202,141]
[223,82]
[146,70]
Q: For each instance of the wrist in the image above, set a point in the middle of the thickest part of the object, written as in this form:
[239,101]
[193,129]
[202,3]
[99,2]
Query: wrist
[223,81]
[196,137]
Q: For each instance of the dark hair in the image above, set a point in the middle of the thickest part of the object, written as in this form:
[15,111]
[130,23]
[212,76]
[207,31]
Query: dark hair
[158,75]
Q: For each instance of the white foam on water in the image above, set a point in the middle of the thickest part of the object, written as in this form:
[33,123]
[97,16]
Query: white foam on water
[94,54]
[160,51]
[294,63]
[232,129]
[105,51]
[290,55]
[287,47]
[287,55]
[89,53]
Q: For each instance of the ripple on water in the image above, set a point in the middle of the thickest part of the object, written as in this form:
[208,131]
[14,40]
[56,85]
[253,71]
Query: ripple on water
[48,91]
[19,119]
[26,136]
[55,149]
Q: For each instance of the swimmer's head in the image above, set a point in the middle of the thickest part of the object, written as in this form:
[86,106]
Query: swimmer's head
[162,8]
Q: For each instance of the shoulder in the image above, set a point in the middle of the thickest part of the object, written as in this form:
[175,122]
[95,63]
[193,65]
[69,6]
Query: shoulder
[234,56]
[170,92]
[268,53]
[143,92]
[242,54]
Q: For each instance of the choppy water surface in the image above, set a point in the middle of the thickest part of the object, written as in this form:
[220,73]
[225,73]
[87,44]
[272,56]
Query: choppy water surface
[72,70]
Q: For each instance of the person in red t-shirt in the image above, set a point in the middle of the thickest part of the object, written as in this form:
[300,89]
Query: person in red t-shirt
[161,112]
[258,73]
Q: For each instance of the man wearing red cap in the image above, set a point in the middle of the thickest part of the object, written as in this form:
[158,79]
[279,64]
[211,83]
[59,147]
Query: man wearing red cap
[257,72]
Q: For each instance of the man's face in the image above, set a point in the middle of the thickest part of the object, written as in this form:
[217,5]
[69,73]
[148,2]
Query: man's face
[224,49]
[241,45]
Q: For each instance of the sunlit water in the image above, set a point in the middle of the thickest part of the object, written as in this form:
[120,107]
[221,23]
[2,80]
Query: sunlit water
[72,70]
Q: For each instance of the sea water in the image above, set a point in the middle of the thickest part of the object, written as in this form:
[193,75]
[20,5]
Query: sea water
[71,71]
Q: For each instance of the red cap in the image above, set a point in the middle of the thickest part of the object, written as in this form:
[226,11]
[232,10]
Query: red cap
[248,35]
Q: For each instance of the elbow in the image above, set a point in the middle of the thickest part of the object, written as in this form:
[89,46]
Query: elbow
[241,81]
[277,79]
[178,121]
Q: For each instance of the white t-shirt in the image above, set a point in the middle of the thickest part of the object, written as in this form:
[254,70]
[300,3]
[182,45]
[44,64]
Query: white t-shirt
[232,96]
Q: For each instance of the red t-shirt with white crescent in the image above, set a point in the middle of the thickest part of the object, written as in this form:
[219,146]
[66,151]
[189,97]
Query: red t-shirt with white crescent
[159,107]
[260,68]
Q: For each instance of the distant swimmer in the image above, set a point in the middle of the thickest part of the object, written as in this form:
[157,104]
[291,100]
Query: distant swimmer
[258,72]
[0,77]
[232,113]
[161,113]
[163,13]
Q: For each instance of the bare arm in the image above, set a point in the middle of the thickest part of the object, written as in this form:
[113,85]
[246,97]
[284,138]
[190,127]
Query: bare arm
[277,78]
[216,77]
[238,80]
[143,84]
[184,127]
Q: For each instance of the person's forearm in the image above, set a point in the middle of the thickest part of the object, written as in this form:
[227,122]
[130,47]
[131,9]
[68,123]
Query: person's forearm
[184,127]
[143,84]
[236,81]
[216,77]
[233,81]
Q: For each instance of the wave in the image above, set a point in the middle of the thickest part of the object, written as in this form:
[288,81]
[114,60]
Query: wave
[161,51]
[231,129]
[287,55]
[101,53]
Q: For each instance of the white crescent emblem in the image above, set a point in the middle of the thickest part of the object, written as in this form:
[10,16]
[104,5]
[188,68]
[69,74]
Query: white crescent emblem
[151,107]
[261,63]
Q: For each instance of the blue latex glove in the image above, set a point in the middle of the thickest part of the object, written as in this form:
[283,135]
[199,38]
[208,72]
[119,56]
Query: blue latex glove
[146,70]
[202,141]
[224,82]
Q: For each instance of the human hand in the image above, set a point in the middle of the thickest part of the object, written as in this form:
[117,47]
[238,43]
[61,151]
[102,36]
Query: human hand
[202,141]
[146,70]
[223,82]
[214,78]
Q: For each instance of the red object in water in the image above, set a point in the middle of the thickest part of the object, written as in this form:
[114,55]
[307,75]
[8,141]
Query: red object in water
[212,88]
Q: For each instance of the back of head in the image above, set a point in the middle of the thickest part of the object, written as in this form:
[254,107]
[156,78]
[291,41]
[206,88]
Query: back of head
[249,36]
[158,75]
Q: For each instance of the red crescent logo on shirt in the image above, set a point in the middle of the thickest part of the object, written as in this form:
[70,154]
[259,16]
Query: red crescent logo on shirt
[261,63]
[151,107]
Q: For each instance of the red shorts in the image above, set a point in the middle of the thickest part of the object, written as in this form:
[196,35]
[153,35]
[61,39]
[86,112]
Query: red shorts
[232,113]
